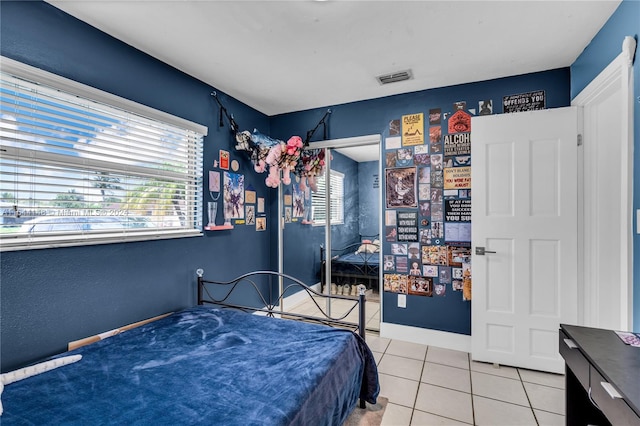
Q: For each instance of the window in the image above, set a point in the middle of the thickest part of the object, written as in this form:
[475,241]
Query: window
[81,166]
[318,208]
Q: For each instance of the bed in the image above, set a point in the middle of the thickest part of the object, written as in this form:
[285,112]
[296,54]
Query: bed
[355,263]
[210,364]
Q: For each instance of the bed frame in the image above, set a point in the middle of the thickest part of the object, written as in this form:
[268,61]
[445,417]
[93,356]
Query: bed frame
[219,293]
[272,306]
[358,272]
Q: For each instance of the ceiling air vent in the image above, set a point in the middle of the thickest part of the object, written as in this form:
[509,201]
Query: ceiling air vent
[395,77]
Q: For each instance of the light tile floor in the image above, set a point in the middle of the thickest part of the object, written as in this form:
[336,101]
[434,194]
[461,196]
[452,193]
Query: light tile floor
[428,385]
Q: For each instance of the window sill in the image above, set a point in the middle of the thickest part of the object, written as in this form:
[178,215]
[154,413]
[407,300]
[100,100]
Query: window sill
[17,244]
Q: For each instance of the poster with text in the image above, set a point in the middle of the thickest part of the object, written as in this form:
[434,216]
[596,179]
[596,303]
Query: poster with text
[413,129]
[457,144]
[457,178]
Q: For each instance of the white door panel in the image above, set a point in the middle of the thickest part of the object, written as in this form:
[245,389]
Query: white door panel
[524,209]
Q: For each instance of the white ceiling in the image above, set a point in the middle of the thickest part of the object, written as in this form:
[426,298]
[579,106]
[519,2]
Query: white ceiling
[284,56]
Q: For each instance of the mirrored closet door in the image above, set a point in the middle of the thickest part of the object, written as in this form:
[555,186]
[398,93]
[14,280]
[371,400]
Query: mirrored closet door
[336,218]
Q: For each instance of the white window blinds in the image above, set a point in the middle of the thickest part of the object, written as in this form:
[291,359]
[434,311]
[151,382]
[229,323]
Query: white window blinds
[77,171]
[337,200]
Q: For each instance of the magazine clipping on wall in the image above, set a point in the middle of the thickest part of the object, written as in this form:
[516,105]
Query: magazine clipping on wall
[233,196]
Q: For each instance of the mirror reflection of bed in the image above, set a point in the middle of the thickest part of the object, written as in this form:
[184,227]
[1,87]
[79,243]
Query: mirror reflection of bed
[355,239]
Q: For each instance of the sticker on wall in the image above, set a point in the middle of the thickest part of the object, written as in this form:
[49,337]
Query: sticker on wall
[459,122]
[413,250]
[424,209]
[390,218]
[437,179]
[402,265]
[287,214]
[424,191]
[414,268]
[439,289]
[457,232]
[420,286]
[462,160]
[389,263]
[457,144]
[298,201]
[444,275]
[224,160]
[404,157]
[399,249]
[485,107]
[401,187]
[233,196]
[466,281]
[435,116]
[430,270]
[391,233]
[395,283]
[261,223]
[393,142]
[288,199]
[437,213]
[421,159]
[250,195]
[524,102]
[394,127]
[424,174]
[390,159]
[251,215]
[413,129]
[457,178]
[408,226]
[235,166]
[460,105]
[260,205]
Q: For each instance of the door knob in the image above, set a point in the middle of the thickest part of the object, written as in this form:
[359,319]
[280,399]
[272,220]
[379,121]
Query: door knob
[480,251]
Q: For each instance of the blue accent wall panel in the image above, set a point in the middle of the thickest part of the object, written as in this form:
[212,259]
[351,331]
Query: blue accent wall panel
[52,296]
[605,47]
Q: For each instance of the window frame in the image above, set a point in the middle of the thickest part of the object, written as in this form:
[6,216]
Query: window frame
[193,178]
[339,221]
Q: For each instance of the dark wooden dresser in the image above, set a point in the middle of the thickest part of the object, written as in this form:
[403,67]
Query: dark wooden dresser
[602,377]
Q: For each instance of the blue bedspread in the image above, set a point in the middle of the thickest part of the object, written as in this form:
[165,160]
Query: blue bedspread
[204,366]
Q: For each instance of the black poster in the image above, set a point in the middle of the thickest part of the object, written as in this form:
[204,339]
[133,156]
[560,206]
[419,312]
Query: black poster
[457,210]
[408,226]
[524,102]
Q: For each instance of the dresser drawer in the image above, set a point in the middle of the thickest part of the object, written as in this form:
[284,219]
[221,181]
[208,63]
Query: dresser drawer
[612,406]
[574,359]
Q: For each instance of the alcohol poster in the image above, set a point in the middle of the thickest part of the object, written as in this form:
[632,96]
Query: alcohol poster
[529,101]
[413,129]
[457,178]
[457,144]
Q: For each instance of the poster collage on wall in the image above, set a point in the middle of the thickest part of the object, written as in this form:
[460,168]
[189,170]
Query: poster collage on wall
[240,203]
[427,219]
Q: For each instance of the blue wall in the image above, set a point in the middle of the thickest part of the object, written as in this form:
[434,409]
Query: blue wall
[447,313]
[605,47]
[369,194]
[50,297]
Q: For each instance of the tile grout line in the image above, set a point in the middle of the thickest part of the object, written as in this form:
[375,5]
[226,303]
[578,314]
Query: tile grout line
[415,400]
[473,408]
[535,418]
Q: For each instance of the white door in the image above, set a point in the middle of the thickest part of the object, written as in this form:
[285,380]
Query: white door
[524,214]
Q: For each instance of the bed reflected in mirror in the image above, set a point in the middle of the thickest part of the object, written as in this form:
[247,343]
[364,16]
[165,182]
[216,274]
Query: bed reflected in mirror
[354,247]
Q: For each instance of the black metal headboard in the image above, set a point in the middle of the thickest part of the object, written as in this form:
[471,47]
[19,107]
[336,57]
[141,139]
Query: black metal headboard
[220,293]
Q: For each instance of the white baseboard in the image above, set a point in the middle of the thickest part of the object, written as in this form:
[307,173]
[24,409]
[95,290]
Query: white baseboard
[423,336]
[296,298]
